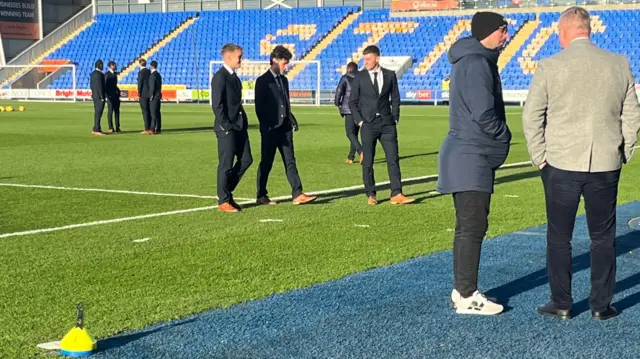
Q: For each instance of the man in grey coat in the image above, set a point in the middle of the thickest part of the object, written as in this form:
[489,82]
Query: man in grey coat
[343,90]
[581,121]
[476,145]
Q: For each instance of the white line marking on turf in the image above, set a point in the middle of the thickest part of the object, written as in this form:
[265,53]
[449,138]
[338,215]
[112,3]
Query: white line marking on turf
[153,215]
[362,225]
[108,221]
[511,195]
[141,240]
[531,233]
[270,220]
[50,346]
[114,191]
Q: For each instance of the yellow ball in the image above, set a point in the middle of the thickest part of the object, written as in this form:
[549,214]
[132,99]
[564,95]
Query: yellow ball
[21,108]
[9,109]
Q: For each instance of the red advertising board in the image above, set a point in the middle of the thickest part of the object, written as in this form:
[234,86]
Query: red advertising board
[423,94]
[423,5]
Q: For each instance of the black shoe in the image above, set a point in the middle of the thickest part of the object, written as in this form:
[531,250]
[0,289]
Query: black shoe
[604,315]
[550,310]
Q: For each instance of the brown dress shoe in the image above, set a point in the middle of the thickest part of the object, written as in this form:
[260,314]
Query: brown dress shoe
[349,162]
[303,198]
[98,133]
[265,201]
[372,201]
[401,199]
[227,207]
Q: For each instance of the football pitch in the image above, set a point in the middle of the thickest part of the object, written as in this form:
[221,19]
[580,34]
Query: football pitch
[127,223]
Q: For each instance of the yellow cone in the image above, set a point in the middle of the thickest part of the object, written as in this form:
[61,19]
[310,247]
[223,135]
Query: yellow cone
[77,342]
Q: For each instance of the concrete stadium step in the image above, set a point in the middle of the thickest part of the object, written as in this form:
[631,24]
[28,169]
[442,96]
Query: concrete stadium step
[324,43]
[516,43]
[442,47]
[155,48]
[38,60]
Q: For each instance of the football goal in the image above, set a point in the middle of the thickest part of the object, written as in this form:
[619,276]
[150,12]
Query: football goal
[52,82]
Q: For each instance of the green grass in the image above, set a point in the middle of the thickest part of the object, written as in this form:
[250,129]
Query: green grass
[202,260]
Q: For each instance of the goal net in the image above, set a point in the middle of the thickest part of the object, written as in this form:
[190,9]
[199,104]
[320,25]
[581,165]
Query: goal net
[49,82]
[303,76]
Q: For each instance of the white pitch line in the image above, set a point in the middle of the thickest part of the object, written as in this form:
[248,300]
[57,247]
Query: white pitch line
[114,191]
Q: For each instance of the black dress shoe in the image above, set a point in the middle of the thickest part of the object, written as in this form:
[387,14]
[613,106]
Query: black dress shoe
[604,315]
[550,310]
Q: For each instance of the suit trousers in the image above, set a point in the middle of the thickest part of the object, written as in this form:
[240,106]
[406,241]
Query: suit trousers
[113,108]
[352,129]
[232,144]
[562,191]
[388,136]
[281,139]
[156,116]
[145,106]
[98,107]
[472,222]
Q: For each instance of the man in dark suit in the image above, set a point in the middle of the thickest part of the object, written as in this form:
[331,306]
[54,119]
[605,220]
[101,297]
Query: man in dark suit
[343,91]
[230,126]
[277,124]
[155,92]
[375,105]
[113,96]
[143,94]
[98,97]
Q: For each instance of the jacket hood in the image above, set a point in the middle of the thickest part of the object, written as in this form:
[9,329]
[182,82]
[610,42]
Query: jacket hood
[471,46]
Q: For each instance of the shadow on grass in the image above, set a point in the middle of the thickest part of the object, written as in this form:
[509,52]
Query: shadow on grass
[124,339]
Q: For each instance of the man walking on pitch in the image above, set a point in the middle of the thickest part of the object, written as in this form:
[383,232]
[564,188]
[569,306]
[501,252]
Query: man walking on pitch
[143,94]
[277,124]
[230,126]
[155,98]
[475,147]
[581,122]
[113,97]
[341,100]
[375,105]
[98,96]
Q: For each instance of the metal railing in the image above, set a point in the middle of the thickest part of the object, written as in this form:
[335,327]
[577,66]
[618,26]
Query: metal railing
[36,50]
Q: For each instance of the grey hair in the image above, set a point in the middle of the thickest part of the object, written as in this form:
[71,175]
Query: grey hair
[578,17]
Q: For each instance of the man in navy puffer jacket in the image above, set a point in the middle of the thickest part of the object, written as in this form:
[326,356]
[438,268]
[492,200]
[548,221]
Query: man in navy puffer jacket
[476,145]
[342,101]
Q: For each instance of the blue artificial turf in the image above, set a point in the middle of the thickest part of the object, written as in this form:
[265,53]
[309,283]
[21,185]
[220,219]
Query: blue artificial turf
[402,311]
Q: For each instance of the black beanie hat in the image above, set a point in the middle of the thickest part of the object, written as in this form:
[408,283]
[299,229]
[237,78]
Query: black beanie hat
[485,23]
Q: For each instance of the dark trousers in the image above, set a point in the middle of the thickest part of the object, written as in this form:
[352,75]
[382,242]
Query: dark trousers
[562,194]
[352,130]
[472,222]
[232,144]
[388,136]
[281,139]
[114,108]
[145,106]
[156,116]
[98,108]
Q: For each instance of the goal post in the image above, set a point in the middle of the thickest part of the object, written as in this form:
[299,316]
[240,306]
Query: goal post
[304,80]
[48,82]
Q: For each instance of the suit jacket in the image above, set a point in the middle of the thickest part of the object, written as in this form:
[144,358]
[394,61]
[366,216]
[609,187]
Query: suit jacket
[365,103]
[155,85]
[343,91]
[582,111]
[97,85]
[143,83]
[271,109]
[226,101]
[111,85]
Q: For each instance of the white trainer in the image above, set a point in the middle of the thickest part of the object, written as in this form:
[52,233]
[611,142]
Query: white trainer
[477,304]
